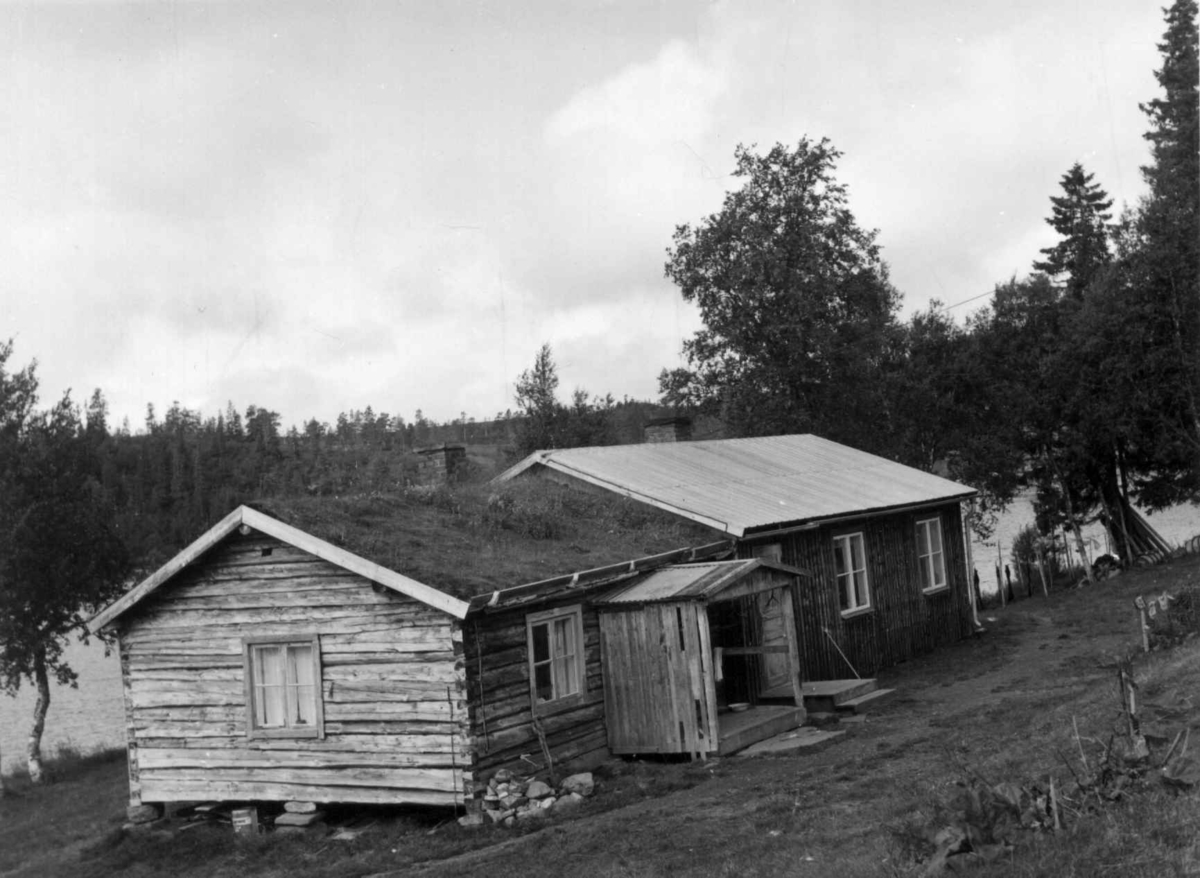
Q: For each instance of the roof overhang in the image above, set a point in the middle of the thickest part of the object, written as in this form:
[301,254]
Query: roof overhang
[244,516]
[771,530]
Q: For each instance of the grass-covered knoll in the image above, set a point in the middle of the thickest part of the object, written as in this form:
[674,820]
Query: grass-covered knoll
[471,538]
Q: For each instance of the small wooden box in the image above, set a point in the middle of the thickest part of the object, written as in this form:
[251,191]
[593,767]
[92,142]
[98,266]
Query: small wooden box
[245,821]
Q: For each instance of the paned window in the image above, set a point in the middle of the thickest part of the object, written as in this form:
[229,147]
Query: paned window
[555,654]
[284,688]
[930,557]
[850,559]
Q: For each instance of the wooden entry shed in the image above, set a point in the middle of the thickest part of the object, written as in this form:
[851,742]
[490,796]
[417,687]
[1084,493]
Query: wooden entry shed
[680,644]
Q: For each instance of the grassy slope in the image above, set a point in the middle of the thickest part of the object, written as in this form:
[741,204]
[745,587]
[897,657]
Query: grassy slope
[1001,706]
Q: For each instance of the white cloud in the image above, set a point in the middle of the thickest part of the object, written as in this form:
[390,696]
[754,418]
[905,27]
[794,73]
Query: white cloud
[316,210]
[672,96]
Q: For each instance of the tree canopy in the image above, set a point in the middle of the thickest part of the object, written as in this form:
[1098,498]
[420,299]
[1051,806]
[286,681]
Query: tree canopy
[798,311]
[60,557]
[548,423]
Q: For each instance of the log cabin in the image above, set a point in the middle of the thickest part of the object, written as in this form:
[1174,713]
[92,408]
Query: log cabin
[265,663]
[884,544]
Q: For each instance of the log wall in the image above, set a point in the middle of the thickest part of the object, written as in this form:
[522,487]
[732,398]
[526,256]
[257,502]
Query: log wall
[501,705]
[903,621]
[392,684]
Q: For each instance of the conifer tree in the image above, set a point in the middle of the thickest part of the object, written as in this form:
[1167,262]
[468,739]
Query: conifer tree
[1162,279]
[1081,216]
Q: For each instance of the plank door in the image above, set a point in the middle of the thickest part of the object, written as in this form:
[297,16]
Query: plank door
[777,666]
[658,686]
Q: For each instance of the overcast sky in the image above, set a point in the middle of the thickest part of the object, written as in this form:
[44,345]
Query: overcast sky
[316,207]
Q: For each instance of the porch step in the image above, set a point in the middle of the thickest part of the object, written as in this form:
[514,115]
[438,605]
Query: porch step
[826,696]
[739,730]
[863,703]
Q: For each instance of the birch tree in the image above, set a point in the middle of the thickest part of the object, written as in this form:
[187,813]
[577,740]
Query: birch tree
[60,558]
[797,307]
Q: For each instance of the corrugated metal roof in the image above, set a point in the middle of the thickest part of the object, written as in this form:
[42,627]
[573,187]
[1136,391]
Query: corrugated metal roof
[679,581]
[686,582]
[741,485]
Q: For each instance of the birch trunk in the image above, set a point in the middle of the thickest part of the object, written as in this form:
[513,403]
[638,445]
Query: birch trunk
[34,755]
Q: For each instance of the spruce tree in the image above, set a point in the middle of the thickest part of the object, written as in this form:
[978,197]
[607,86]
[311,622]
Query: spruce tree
[1081,216]
[1164,274]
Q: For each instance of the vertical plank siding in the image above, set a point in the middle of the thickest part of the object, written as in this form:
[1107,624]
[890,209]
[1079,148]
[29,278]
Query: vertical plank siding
[502,721]
[392,685]
[903,621]
[658,693]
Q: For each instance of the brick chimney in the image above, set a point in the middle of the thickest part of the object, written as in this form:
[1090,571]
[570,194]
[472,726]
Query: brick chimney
[440,464]
[675,429]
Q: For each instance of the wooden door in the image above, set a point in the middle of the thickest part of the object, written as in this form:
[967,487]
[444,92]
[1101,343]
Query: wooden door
[658,684]
[777,666]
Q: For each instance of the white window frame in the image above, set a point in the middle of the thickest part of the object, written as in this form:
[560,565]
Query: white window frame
[252,675]
[573,677]
[932,563]
[854,584]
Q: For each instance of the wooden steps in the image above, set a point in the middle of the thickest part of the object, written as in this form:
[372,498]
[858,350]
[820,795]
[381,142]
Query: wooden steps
[843,696]
[740,730]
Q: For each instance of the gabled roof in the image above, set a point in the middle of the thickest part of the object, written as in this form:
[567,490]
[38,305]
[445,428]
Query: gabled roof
[245,516]
[692,582]
[744,485]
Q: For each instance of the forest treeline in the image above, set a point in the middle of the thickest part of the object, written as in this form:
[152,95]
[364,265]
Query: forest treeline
[179,473]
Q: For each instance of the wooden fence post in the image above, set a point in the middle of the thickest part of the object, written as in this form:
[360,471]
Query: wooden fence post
[1144,625]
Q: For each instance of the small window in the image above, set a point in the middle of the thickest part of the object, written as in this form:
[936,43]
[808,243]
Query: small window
[555,654]
[930,558]
[283,683]
[850,557]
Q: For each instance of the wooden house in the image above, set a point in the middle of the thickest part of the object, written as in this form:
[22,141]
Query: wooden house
[570,662]
[884,543]
[265,663]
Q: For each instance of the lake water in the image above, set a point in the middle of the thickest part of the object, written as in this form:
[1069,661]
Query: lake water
[1176,524]
[92,716]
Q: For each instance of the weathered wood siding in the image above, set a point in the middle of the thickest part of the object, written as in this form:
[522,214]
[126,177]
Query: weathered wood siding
[903,621]
[659,693]
[501,704]
[392,683]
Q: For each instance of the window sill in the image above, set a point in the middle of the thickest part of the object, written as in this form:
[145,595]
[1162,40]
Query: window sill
[853,614]
[558,705]
[276,734]
[931,592]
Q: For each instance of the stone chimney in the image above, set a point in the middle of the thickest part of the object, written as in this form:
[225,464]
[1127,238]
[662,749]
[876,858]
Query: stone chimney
[441,464]
[675,429]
